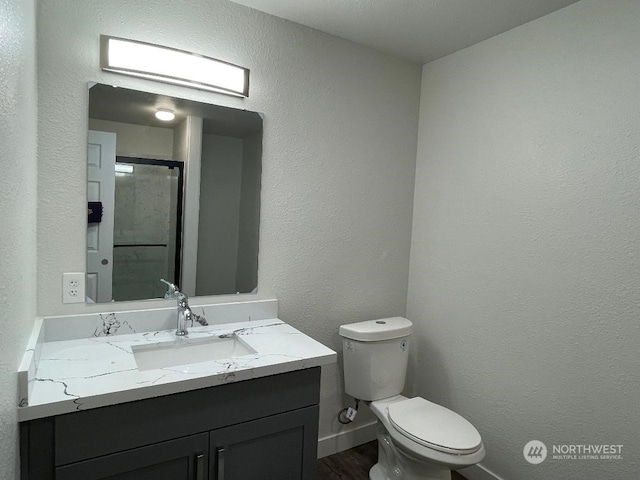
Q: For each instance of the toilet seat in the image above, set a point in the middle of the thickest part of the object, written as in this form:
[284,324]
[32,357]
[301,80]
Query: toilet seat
[434,426]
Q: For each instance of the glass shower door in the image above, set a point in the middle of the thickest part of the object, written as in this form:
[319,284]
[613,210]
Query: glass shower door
[147,227]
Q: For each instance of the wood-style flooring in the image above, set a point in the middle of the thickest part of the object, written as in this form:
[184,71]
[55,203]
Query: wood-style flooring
[354,464]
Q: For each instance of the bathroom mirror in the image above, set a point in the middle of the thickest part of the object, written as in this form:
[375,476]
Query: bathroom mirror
[177,199]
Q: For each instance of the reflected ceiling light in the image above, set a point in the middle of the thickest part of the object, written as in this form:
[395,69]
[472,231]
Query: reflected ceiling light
[124,168]
[169,65]
[165,115]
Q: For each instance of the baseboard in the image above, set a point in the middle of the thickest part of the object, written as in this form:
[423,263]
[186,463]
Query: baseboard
[479,472]
[339,442]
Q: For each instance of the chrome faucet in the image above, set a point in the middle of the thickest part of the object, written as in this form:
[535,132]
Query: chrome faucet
[184,311]
[184,314]
[172,289]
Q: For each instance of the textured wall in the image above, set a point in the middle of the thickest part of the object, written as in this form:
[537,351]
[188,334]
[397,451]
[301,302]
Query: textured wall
[340,134]
[17,210]
[524,276]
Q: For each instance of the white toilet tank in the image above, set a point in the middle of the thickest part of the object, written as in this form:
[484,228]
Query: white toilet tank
[376,353]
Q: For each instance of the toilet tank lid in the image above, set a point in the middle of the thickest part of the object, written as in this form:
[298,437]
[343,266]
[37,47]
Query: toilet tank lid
[381,329]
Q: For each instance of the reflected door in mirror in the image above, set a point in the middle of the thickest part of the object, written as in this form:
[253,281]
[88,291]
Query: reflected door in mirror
[101,159]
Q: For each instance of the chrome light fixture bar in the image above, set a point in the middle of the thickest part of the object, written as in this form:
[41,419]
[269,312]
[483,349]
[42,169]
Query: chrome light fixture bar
[179,67]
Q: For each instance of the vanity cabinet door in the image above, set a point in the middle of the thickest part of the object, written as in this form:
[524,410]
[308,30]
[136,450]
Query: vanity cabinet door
[180,459]
[279,447]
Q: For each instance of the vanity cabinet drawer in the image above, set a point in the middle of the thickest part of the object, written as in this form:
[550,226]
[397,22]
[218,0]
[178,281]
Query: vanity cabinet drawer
[180,459]
[121,427]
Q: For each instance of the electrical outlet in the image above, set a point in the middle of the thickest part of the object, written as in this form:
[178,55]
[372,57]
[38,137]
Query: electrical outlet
[73,287]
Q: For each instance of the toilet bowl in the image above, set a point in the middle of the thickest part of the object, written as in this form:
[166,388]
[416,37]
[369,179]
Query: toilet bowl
[421,440]
[417,439]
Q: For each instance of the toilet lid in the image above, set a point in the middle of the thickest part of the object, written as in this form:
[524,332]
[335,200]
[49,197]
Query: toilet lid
[434,426]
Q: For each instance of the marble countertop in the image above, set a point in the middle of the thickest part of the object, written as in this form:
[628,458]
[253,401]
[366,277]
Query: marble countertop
[82,373]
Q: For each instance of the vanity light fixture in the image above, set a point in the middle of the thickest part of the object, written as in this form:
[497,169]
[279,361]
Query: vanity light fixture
[164,64]
[165,115]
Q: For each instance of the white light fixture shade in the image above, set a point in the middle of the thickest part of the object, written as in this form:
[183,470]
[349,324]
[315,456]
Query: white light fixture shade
[169,65]
[165,115]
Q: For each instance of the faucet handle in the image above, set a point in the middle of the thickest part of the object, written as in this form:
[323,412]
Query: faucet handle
[172,289]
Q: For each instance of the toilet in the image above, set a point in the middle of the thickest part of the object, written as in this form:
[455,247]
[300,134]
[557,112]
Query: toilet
[417,439]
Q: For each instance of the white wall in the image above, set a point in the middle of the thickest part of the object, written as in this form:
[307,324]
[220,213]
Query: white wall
[248,240]
[340,134]
[220,189]
[140,141]
[524,278]
[17,211]
[188,149]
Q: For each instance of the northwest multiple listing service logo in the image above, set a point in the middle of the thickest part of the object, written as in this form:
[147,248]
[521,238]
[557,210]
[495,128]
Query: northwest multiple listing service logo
[536,452]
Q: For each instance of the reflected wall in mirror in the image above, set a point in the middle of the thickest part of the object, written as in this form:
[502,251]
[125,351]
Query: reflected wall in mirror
[184,202]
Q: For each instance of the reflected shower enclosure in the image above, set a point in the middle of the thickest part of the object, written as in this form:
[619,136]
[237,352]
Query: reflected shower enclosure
[147,227]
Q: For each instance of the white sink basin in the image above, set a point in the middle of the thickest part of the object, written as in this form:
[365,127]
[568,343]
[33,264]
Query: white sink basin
[184,351]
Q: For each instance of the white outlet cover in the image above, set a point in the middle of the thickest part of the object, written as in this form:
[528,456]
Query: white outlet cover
[73,287]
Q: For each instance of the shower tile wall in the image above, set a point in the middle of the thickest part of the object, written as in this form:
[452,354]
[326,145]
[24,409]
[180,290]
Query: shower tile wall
[144,243]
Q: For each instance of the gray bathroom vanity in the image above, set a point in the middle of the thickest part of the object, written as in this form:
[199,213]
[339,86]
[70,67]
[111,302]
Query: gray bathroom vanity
[264,428]
[93,408]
